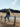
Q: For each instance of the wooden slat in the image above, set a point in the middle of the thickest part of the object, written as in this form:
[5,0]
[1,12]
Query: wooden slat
[17,20]
[1,21]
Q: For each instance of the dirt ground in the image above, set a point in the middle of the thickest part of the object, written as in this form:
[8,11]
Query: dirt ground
[6,25]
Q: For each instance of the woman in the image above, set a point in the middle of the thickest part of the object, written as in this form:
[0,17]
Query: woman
[7,15]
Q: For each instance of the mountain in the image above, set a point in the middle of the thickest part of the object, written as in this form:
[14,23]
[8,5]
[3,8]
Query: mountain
[5,10]
[15,11]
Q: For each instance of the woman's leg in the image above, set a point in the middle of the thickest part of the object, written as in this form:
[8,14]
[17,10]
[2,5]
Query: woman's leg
[8,18]
[5,19]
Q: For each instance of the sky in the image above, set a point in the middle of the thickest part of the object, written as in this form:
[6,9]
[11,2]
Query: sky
[13,4]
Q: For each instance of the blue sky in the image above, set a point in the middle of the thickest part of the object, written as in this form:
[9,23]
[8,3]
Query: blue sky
[14,4]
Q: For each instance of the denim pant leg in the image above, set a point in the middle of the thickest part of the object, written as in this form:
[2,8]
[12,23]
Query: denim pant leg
[5,19]
[8,18]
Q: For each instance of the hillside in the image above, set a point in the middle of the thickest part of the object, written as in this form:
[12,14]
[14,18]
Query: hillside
[15,11]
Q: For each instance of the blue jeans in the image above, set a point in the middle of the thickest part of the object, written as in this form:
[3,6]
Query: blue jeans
[7,17]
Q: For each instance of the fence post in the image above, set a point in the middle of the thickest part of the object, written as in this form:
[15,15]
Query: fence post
[1,17]
[15,21]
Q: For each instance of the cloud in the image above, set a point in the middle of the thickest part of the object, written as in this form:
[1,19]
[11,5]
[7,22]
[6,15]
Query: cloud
[14,2]
[19,7]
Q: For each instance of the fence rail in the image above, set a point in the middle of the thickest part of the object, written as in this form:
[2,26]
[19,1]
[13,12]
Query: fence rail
[14,19]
